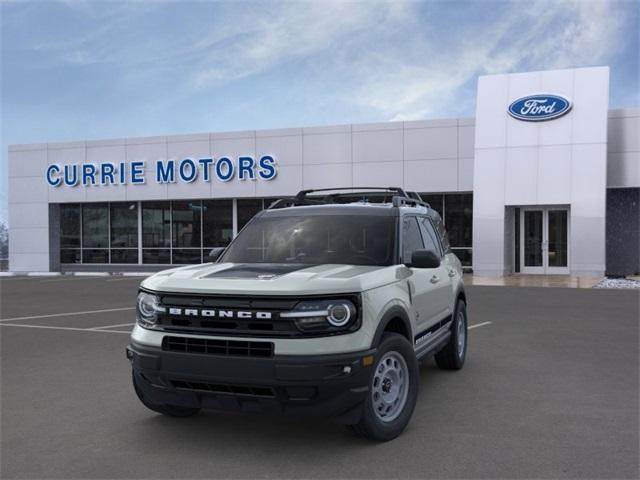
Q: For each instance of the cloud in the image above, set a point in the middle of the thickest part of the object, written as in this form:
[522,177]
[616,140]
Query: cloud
[530,36]
[398,59]
[288,32]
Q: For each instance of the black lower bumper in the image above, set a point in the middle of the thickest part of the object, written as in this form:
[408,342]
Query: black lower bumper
[317,385]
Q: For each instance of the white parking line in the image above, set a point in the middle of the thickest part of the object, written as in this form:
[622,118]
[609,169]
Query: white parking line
[62,328]
[479,325]
[88,312]
[103,329]
[124,278]
[112,326]
[72,279]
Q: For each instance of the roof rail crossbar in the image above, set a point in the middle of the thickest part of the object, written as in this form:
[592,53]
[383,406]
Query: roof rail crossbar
[399,196]
[302,194]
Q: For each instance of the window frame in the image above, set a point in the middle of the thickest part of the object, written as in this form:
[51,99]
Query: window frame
[402,236]
[435,237]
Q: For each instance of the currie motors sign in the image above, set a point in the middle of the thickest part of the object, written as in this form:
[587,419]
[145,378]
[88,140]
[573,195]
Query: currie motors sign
[540,107]
[188,170]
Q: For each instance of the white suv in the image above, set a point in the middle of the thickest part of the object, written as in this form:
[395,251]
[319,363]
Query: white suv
[322,305]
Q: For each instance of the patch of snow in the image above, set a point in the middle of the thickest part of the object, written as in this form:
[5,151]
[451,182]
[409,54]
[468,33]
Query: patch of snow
[618,283]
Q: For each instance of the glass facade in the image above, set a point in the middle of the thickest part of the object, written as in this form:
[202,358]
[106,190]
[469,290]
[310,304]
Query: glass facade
[123,218]
[247,208]
[456,210]
[171,232]
[184,231]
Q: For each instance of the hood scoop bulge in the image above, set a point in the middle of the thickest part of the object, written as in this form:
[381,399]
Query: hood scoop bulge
[259,271]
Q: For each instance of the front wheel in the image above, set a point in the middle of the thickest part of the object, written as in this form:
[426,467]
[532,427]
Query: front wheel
[393,390]
[452,356]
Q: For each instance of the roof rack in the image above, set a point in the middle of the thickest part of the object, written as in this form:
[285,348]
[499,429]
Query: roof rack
[399,197]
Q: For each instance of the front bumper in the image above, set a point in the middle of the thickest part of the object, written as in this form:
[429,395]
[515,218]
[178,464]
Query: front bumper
[316,385]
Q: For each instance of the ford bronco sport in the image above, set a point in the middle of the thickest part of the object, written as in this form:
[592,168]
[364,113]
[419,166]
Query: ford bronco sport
[322,305]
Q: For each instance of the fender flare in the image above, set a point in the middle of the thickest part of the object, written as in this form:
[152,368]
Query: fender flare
[395,311]
[460,293]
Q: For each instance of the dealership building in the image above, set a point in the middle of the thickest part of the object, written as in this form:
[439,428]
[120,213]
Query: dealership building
[544,180]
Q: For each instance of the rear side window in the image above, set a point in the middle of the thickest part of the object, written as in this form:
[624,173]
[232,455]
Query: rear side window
[430,237]
[411,238]
[442,233]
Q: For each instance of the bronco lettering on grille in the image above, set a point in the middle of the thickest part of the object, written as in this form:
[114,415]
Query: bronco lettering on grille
[194,312]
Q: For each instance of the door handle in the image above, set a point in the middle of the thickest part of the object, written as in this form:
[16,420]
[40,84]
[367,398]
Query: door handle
[452,273]
[435,279]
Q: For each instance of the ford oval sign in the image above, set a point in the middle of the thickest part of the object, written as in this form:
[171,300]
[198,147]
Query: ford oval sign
[536,108]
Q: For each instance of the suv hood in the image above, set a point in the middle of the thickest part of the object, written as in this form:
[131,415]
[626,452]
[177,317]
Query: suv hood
[271,279]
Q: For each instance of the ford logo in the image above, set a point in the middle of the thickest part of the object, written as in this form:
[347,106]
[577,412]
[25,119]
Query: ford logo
[536,108]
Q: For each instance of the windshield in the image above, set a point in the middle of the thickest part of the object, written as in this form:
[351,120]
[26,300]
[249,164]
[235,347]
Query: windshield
[316,239]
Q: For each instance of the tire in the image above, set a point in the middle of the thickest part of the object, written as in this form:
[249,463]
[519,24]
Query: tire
[395,377]
[452,356]
[169,410]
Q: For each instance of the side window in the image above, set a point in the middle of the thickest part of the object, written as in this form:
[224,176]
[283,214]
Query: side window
[430,238]
[411,238]
[442,233]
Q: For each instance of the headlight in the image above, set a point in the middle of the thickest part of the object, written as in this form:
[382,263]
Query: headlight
[147,309]
[324,316]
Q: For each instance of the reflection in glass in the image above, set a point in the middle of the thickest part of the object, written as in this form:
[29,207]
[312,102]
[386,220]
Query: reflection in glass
[156,255]
[186,255]
[156,225]
[70,255]
[558,238]
[464,255]
[217,223]
[124,225]
[533,238]
[316,240]
[458,212]
[95,256]
[435,200]
[247,208]
[185,218]
[70,226]
[95,226]
[128,255]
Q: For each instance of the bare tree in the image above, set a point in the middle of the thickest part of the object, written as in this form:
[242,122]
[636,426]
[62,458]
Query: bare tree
[4,241]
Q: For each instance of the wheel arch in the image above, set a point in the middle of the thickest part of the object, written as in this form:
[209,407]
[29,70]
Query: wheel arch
[461,295]
[395,320]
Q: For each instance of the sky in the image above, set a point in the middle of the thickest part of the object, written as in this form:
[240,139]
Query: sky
[78,70]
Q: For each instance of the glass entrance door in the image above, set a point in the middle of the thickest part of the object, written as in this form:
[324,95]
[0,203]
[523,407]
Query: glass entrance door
[533,239]
[544,240]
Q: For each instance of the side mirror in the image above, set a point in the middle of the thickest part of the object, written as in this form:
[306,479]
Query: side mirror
[424,259]
[215,253]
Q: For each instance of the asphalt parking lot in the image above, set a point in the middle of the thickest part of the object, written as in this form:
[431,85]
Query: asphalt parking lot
[550,390]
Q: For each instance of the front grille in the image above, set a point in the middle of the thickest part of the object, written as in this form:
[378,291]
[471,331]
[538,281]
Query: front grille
[271,327]
[218,347]
[247,390]
[236,315]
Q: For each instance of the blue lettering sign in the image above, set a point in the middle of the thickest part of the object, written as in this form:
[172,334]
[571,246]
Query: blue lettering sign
[137,173]
[206,167]
[51,180]
[71,175]
[246,168]
[267,168]
[224,169]
[166,171]
[106,173]
[165,174]
[189,174]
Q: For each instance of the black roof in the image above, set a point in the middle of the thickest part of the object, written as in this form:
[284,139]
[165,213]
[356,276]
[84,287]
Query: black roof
[321,196]
[333,209]
[348,201]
